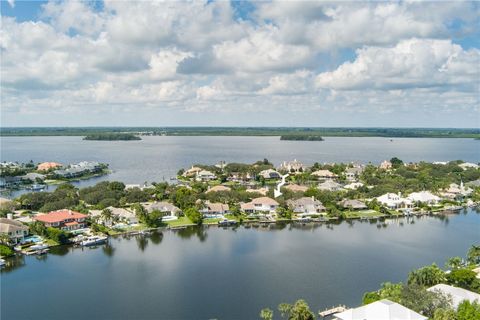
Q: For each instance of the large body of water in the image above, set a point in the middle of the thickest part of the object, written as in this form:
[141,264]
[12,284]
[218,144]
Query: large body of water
[157,158]
[212,273]
[227,274]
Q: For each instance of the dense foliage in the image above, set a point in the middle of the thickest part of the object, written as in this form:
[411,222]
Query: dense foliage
[112,136]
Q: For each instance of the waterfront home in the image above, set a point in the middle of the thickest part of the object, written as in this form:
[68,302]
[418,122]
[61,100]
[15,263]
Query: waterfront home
[457,294]
[121,214]
[352,174]
[191,172]
[468,165]
[353,185]
[270,174]
[262,191]
[353,204]
[15,230]
[457,192]
[324,174]
[45,166]
[33,177]
[330,185]
[205,175]
[218,188]
[385,165]
[395,201]
[296,188]
[166,208]
[214,209]
[379,310]
[292,166]
[260,205]
[424,197]
[10,181]
[64,219]
[306,206]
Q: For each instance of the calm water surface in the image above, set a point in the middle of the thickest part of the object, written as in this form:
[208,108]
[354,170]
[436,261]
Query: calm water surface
[211,273]
[158,158]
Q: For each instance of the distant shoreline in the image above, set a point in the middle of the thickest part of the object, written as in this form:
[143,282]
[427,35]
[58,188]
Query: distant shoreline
[247,131]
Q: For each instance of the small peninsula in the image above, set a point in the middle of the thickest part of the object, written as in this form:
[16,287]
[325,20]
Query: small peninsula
[108,136]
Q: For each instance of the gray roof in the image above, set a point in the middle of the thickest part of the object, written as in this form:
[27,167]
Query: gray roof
[9,225]
[354,204]
[162,206]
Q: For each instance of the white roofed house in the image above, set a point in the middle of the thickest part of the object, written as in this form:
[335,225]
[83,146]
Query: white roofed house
[164,207]
[380,310]
[424,197]
[385,165]
[270,174]
[306,206]
[15,230]
[395,201]
[214,209]
[457,294]
[455,191]
[191,172]
[330,185]
[292,166]
[353,185]
[352,174]
[205,175]
[296,188]
[264,205]
[468,165]
[121,214]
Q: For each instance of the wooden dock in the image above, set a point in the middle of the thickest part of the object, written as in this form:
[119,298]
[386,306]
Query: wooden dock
[332,311]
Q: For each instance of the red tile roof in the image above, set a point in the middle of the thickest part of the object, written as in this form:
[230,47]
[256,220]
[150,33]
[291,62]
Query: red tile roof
[71,223]
[59,216]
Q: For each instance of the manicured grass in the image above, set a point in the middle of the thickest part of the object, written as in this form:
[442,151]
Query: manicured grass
[363,214]
[211,220]
[182,221]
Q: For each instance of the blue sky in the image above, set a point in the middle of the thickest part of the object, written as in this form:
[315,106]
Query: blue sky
[401,64]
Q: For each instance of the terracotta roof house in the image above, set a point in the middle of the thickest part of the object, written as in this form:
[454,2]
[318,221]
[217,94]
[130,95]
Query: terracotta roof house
[353,204]
[457,294]
[395,201]
[306,206]
[15,230]
[380,310]
[262,191]
[424,197]
[218,188]
[260,205]
[296,188]
[214,209]
[67,220]
[164,207]
[270,174]
[44,166]
[324,174]
[330,185]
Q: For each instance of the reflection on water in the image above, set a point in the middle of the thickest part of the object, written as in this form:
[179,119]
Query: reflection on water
[13,263]
[210,269]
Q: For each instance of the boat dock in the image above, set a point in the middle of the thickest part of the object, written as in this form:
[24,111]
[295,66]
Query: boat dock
[332,311]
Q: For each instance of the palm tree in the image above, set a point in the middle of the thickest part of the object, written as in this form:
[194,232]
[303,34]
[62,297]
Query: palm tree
[4,239]
[107,215]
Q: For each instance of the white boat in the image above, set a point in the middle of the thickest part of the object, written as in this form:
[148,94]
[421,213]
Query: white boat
[94,240]
[40,246]
[2,262]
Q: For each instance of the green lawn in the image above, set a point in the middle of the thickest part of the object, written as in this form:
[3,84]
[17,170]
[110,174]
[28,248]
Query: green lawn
[211,220]
[363,214]
[182,221]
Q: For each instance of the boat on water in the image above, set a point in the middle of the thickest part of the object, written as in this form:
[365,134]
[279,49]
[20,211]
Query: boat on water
[36,187]
[227,222]
[94,240]
[42,252]
[2,262]
[36,247]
